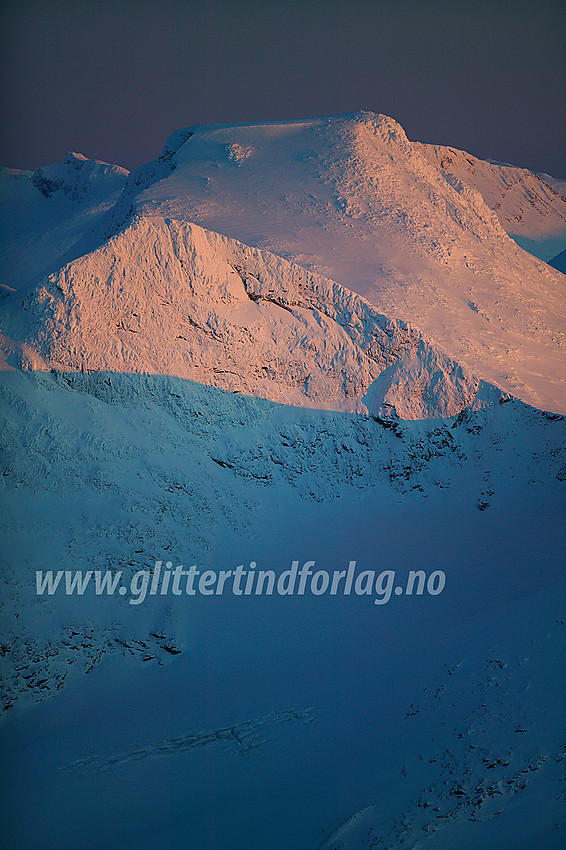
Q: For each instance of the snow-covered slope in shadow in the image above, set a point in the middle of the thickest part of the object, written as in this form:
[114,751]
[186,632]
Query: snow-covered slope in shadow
[559,262]
[45,213]
[270,720]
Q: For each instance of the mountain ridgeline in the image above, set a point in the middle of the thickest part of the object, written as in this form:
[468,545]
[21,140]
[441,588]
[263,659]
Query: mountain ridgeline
[312,343]
[333,248]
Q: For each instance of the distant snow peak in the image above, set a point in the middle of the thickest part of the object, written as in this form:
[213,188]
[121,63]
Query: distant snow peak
[75,159]
[78,177]
[9,174]
[530,207]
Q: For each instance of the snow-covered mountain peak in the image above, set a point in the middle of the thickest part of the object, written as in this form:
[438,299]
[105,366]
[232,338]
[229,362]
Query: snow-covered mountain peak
[233,317]
[74,158]
[351,198]
[266,131]
[382,127]
[45,213]
[79,177]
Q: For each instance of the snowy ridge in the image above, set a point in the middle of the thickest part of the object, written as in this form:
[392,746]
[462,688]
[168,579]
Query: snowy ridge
[352,199]
[46,213]
[170,298]
[530,208]
[79,178]
[7,175]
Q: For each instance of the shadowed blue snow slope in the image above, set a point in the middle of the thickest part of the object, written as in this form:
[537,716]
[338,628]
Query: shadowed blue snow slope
[44,214]
[559,262]
[279,721]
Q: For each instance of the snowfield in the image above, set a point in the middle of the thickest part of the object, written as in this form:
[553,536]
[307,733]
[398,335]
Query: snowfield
[310,341]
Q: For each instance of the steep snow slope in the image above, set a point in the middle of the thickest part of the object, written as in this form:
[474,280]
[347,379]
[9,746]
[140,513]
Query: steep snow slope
[352,199]
[140,424]
[269,721]
[559,184]
[169,298]
[559,262]
[43,214]
[531,210]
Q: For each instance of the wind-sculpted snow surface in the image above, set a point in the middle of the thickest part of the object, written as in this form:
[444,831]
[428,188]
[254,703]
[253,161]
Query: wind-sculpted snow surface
[169,298]
[46,213]
[242,737]
[306,344]
[530,208]
[352,199]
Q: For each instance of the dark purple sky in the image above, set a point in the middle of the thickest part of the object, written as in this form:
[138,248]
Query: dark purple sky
[112,78]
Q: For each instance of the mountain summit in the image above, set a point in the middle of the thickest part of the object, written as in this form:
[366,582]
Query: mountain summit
[352,199]
[306,348]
